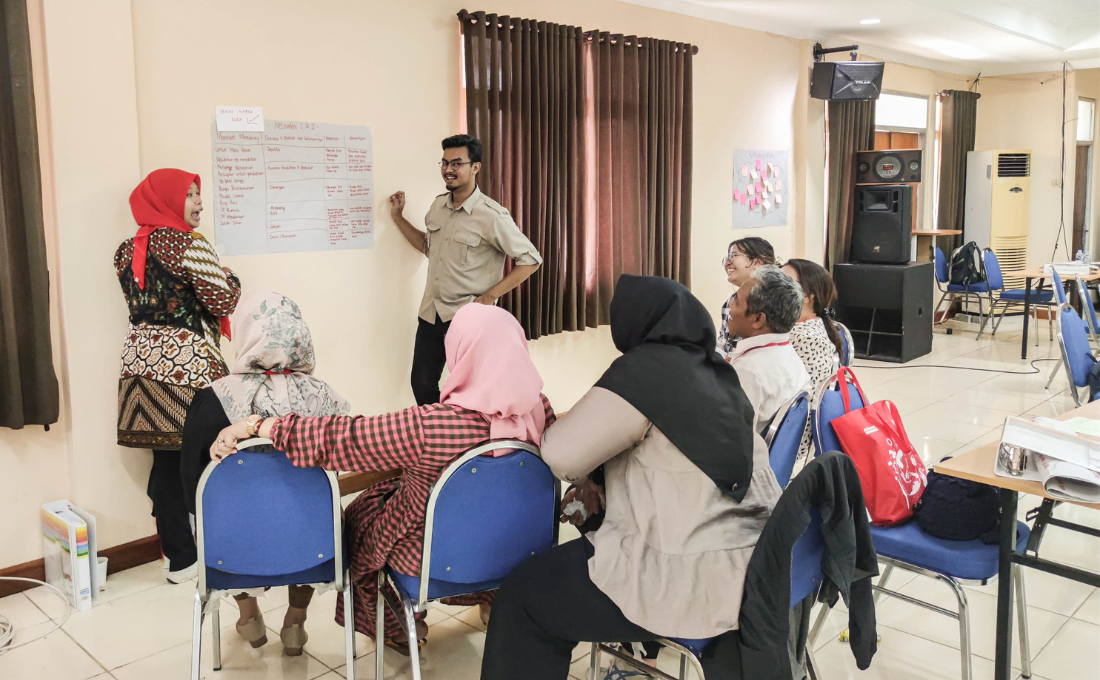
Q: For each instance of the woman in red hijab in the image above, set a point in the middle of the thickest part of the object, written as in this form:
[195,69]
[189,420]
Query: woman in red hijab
[178,295]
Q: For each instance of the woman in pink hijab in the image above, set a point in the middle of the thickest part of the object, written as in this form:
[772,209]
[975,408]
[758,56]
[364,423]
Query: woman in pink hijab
[493,392]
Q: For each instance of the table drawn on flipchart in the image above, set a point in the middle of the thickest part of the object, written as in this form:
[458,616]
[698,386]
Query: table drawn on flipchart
[295,187]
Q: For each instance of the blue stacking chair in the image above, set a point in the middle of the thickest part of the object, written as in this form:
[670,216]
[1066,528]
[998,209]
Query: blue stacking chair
[1090,312]
[1059,300]
[829,401]
[785,436]
[263,522]
[485,516]
[907,547]
[995,278]
[846,341]
[1073,340]
[806,578]
[955,291]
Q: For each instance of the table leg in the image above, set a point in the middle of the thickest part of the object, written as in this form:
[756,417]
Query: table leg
[1003,664]
[1027,310]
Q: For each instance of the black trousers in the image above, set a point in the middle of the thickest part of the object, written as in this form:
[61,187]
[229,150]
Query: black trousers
[429,358]
[543,609]
[170,509]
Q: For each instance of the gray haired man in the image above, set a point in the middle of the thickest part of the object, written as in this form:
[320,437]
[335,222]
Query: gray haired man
[762,314]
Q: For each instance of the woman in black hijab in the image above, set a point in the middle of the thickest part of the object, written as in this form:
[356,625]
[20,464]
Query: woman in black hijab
[686,492]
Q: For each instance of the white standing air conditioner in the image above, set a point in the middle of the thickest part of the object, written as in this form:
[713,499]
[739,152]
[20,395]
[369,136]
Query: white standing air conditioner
[998,207]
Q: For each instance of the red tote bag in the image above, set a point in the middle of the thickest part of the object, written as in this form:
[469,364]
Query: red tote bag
[891,472]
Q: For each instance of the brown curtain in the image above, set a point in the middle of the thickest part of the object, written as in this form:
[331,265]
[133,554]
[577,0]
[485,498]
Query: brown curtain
[958,120]
[525,102]
[851,129]
[28,386]
[641,151]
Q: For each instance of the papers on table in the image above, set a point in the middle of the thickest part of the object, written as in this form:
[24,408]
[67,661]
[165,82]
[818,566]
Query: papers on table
[1066,465]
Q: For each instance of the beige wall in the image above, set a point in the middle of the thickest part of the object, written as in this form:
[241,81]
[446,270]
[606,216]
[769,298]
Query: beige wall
[1025,112]
[130,86]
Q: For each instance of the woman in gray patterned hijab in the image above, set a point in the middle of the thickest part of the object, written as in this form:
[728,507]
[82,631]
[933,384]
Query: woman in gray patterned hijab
[270,378]
[272,374]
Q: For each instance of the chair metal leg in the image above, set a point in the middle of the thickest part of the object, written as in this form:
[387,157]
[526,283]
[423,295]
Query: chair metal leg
[349,628]
[1053,372]
[414,643]
[379,628]
[1021,614]
[594,662]
[981,316]
[811,664]
[819,623]
[964,626]
[196,637]
[683,666]
[216,633]
[882,581]
[938,305]
[985,319]
[1000,318]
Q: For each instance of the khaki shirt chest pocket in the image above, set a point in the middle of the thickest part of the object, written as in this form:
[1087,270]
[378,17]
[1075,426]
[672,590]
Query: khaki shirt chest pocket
[430,237]
[468,249]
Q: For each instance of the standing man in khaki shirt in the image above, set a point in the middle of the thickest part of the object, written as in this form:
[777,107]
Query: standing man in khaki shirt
[468,237]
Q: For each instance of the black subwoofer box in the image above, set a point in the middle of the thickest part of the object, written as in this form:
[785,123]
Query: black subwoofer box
[887,308]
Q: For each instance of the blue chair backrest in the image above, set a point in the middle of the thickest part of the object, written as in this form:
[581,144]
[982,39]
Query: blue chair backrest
[831,405]
[806,574]
[1074,339]
[1086,303]
[261,516]
[845,343]
[785,436]
[490,515]
[941,267]
[993,274]
[1059,288]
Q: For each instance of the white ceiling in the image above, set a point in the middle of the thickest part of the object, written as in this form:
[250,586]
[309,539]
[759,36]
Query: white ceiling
[957,36]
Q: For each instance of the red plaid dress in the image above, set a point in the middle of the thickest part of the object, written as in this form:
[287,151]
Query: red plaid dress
[385,524]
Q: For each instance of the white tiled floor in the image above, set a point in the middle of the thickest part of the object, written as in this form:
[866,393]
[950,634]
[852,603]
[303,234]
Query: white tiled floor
[143,629]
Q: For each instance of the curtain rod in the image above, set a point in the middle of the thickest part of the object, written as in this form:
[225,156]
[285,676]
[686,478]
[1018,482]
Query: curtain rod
[589,36]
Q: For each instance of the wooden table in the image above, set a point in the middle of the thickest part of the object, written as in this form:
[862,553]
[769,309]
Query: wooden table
[1039,274]
[977,466]
[928,254]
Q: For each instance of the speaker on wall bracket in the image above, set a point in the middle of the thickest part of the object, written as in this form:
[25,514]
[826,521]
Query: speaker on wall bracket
[888,166]
[846,79]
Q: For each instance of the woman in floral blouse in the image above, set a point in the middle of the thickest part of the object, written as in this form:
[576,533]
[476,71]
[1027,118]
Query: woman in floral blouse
[178,295]
[493,392]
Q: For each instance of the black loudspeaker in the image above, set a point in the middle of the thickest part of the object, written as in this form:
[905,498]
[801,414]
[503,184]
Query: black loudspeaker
[882,228]
[846,80]
[887,308]
[887,167]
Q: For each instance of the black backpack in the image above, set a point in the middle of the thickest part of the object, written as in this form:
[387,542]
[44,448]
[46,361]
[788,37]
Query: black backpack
[959,510]
[966,265]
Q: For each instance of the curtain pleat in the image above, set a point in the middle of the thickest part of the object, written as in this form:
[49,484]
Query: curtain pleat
[525,102]
[28,386]
[642,93]
[851,128]
[958,124]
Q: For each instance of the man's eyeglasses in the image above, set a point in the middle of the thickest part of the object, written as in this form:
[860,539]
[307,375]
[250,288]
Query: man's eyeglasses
[454,164]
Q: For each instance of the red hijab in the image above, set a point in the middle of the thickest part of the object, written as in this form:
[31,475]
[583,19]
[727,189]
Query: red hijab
[157,202]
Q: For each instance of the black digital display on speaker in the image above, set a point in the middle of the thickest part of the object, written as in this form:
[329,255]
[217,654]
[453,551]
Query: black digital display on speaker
[888,166]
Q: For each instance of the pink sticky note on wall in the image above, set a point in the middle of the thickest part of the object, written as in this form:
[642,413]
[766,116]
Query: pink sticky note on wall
[759,164]
[759,187]
[744,199]
[778,185]
[744,171]
[736,195]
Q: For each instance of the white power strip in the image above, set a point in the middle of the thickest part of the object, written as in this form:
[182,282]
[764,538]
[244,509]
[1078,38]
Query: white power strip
[7,628]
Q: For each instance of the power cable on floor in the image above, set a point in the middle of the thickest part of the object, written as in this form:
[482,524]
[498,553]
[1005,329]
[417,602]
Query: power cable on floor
[960,368]
[7,628]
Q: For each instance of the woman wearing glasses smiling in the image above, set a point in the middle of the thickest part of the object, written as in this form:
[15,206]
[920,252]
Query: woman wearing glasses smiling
[741,260]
